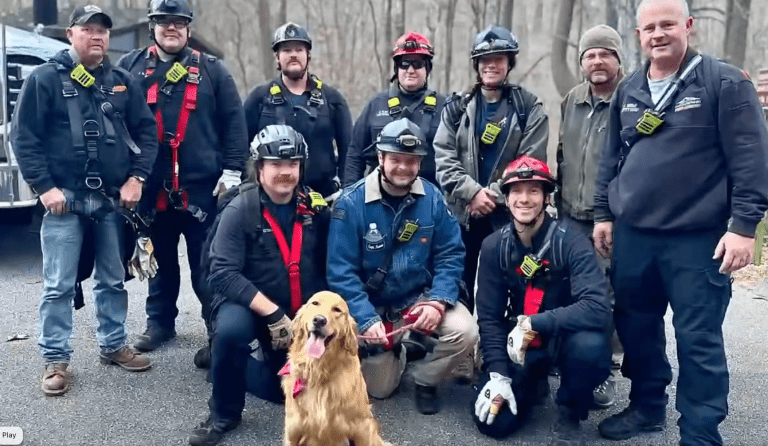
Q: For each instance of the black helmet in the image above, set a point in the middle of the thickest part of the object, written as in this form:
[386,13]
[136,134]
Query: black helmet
[278,142]
[178,8]
[402,136]
[494,39]
[290,32]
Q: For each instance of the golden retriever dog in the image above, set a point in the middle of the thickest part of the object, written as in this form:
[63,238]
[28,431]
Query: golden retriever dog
[326,402]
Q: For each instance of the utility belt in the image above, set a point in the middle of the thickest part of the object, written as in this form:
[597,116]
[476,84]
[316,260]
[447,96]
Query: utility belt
[90,204]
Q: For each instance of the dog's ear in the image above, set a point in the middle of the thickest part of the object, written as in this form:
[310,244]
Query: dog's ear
[350,336]
[299,328]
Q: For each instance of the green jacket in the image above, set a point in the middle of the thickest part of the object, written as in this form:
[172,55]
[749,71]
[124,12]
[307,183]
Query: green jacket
[582,134]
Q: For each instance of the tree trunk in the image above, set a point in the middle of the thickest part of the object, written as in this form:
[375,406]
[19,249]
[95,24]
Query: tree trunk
[376,42]
[282,14]
[507,12]
[265,32]
[564,79]
[401,19]
[736,31]
[388,44]
[611,14]
[450,18]
[626,25]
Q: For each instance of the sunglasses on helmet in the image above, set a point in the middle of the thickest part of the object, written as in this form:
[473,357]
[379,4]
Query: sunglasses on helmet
[413,45]
[417,64]
[494,44]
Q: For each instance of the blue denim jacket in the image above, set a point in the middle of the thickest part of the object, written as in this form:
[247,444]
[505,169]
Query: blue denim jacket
[429,264]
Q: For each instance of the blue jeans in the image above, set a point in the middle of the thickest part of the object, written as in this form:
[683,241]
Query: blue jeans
[61,238]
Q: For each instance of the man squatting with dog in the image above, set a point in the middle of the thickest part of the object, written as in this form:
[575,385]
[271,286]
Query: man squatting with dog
[398,259]
[262,230]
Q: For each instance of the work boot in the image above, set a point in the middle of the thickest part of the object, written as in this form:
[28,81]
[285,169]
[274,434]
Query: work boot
[628,423]
[210,433]
[427,400]
[202,358]
[56,379]
[126,358]
[567,430]
[153,338]
[604,395]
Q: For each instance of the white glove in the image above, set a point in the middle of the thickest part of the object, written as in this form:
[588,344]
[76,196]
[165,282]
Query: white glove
[229,179]
[518,340]
[493,395]
[143,264]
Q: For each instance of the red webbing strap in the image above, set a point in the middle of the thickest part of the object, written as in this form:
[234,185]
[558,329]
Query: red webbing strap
[291,257]
[531,304]
[152,91]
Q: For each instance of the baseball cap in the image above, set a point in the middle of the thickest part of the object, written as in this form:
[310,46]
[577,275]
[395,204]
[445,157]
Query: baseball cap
[83,14]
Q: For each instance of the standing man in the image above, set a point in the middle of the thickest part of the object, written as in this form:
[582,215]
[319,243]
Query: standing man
[539,277]
[60,125]
[408,97]
[682,185]
[314,109]
[267,259]
[582,135]
[395,256]
[481,132]
[203,146]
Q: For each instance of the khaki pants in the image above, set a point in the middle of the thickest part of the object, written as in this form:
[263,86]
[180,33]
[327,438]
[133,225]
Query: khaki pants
[457,336]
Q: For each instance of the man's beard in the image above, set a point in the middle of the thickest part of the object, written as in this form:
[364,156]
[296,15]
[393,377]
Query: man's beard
[293,73]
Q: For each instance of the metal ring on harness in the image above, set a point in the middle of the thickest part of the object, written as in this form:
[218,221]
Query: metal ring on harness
[91,133]
[93,183]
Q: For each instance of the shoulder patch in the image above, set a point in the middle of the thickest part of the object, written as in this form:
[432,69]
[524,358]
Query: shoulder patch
[211,59]
[339,214]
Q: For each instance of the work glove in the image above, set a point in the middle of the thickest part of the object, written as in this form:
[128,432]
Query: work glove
[518,340]
[229,179]
[493,395]
[143,264]
[280,330]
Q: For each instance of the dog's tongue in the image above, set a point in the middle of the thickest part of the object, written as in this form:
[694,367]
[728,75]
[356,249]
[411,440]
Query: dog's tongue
[315,346]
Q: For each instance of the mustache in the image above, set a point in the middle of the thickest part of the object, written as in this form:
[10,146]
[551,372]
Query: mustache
[285,179]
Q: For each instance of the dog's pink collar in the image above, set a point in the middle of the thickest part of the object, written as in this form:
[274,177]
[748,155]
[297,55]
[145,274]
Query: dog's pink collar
[298,385]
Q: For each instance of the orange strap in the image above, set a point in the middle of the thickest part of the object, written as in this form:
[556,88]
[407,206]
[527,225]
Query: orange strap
[291,257]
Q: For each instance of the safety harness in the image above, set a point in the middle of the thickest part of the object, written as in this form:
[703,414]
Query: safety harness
[533,268]
[86,133]
[173,196]
[277,99]
[292,255]
[396,109]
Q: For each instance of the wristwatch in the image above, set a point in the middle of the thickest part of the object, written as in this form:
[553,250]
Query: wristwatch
[140,179]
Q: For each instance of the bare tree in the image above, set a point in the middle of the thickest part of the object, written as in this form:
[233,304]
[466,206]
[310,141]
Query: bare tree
[282,14]
[400,26]
[561,73]
[450,17]
[376,43]
[736,31]
[265,33]
[237,40]
[507,11]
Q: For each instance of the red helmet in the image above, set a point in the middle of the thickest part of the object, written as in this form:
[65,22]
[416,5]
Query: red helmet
[412,43]
[526,168]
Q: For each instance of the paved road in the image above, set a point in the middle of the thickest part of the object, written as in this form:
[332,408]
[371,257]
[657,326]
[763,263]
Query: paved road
[108,406]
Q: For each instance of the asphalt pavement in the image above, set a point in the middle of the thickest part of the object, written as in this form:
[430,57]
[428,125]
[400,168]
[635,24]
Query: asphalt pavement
[108,406]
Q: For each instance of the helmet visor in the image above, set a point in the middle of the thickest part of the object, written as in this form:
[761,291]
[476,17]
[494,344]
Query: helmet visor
[494,45]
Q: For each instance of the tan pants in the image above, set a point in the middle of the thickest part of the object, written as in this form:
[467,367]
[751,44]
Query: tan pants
[457,336]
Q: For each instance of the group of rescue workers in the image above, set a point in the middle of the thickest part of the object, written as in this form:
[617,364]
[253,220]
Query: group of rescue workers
[441,226]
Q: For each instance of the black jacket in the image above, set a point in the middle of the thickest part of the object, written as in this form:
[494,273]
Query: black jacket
[706,164]
[42,136]
[376,115]
[215,138]
[332,124]
[241,265]
[575,296]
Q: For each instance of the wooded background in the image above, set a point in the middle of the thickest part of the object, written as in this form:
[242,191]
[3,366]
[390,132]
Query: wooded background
[352,39]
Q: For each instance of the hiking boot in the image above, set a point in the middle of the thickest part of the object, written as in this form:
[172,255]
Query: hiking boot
[427,400]
[153,338]
[604,395]
[567,430]
[628,423]
[126,358]
[210,433]
[56,379]
[202,358]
